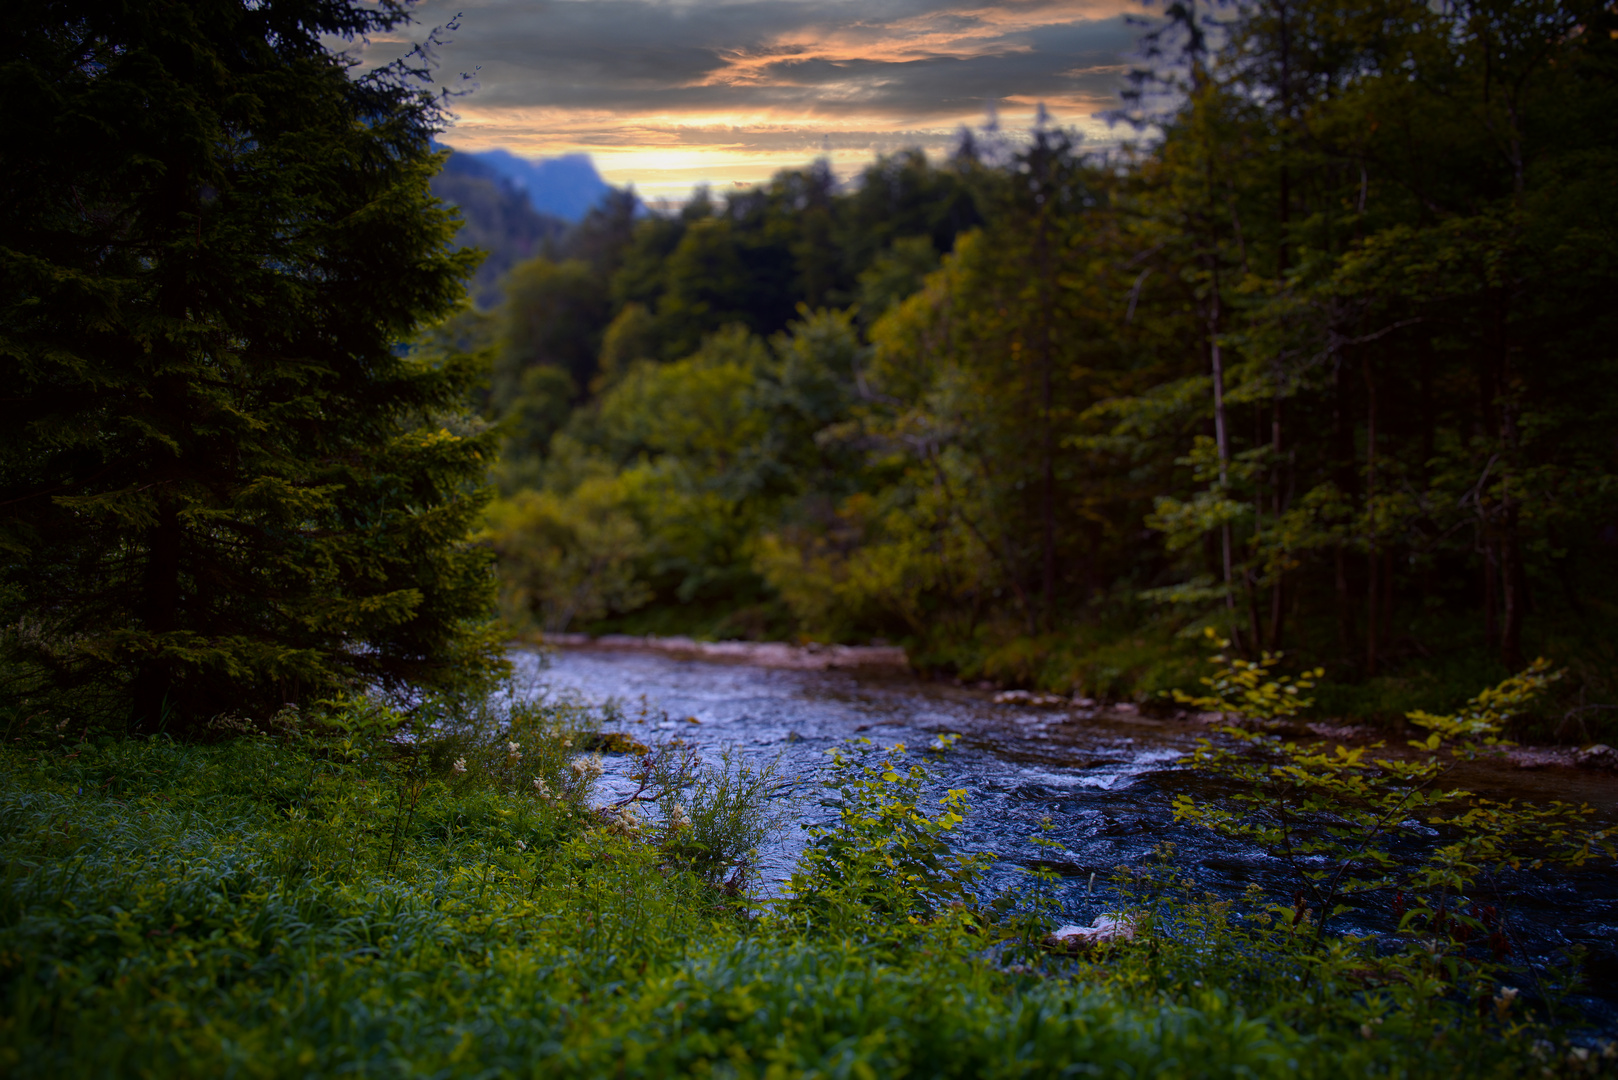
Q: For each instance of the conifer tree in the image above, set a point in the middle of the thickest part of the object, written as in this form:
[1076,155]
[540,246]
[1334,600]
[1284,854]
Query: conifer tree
[225,482]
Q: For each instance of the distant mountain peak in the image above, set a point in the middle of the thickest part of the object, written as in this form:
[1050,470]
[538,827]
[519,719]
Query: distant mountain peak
[567,187]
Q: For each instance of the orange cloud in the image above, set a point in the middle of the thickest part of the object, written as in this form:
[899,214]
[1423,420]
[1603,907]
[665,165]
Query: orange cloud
[665,95]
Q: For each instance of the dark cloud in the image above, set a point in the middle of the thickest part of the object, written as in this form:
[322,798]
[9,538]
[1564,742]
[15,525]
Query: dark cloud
[664,94]
[904,58]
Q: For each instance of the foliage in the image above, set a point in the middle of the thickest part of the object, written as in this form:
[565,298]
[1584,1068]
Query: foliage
[715,815]
[347,889]
[1251,690]
[565,557]
[1430,992]
[550,320]
[884,868]
[227,481]
[666,491]
[1321,362]
[1348,825]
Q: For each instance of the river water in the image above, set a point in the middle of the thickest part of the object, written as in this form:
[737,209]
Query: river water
[1104,778]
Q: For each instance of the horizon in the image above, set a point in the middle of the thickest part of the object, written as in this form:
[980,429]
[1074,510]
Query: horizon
[667,97]
[672,202]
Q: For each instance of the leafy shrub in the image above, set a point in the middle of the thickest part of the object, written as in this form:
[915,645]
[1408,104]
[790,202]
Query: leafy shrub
[886,865]
[1347,825]
[272,905]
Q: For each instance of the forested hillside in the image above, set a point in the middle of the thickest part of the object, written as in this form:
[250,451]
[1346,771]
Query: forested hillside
[497,219]
[1325,362]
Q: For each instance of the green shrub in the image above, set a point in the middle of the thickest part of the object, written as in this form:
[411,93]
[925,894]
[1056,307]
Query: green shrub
[338,897]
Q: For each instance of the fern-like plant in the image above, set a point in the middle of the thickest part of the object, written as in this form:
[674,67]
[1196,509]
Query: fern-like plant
[1345,820]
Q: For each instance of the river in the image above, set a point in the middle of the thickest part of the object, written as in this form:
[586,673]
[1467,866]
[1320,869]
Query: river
[1104,777]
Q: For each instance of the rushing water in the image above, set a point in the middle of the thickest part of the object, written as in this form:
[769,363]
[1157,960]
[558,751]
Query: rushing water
[1104,778]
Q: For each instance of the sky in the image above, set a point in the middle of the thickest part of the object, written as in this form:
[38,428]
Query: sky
[666,95]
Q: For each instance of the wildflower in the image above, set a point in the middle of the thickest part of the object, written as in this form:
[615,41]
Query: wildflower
[542,789]
[513,752]
[586,768]
[621,819]
[521,846]
[459,767]
[678,818]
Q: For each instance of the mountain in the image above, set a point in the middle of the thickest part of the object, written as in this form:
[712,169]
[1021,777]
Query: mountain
[567,187]
[498,217]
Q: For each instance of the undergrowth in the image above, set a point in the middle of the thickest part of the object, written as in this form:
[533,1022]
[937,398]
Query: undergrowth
[451,894]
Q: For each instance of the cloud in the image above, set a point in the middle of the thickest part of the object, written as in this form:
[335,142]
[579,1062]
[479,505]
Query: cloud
[756,80]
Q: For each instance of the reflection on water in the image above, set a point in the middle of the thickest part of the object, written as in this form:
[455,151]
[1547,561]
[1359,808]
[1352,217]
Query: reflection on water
[1105,778]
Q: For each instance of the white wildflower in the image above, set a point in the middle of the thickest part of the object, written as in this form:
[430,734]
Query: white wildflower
[542,789]
[513,752]
[521,846]
[678,818]
[621,819]
[459,767]
[586,768]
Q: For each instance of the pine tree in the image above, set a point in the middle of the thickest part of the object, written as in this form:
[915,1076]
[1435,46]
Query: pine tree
[225,481]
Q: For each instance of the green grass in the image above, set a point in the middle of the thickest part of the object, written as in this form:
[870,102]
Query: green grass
[353,905]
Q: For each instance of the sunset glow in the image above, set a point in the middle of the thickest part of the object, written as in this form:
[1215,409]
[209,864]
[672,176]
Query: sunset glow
[669,95]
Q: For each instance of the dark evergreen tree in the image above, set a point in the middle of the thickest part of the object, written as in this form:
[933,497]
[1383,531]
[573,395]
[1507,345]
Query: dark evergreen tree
[225,481]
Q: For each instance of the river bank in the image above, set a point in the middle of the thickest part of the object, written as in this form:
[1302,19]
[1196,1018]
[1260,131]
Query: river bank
[771,654]
[1595,758]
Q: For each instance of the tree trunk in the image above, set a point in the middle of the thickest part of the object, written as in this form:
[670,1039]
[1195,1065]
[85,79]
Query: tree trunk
[1345,606]
[1282,262]
[1255,622]
[1346,469]
[1221,441]
[1387,597]
[1277,598]
[1491,604]
[1048,439]
[1044,332]
[1370,522]
[159,615]
[1512,579]
[1512,575]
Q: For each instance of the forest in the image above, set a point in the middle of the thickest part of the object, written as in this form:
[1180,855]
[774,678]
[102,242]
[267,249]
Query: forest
[1322,358]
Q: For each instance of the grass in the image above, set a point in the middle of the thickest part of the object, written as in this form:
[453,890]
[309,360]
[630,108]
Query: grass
[330,898]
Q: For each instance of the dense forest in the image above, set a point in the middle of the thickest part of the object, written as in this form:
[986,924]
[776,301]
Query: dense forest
[1322,358]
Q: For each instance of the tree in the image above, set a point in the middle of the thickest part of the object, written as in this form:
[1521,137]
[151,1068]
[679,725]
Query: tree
[225,481]
[1371,211]
[554,315]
